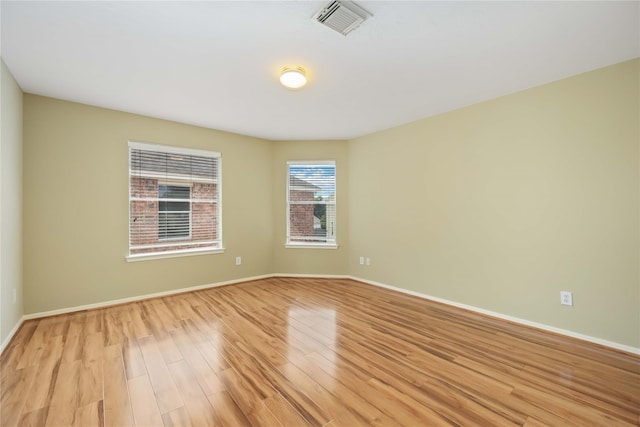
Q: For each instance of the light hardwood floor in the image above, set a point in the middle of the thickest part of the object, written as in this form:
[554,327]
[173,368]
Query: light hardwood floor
[298,352]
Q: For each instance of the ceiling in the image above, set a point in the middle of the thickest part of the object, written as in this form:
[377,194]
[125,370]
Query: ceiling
[216,64]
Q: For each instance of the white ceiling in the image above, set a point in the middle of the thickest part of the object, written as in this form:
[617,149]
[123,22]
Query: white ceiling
[216,64]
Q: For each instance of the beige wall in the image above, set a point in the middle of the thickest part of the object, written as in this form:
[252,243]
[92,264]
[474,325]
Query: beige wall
[76,204]
[10,203]
[499,205]
[305,260]
[503,204]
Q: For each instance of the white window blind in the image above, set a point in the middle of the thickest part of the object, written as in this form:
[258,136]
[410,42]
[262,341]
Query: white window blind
[174,200]
[311,203]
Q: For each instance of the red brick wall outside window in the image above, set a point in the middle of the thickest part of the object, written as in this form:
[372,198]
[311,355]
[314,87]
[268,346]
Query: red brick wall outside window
[301,216]
[144,216]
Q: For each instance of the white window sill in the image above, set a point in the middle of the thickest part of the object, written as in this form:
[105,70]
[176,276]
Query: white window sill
[297,245]
[173,254]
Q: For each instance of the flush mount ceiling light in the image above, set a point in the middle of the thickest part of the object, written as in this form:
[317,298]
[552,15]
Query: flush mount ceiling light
[293,77]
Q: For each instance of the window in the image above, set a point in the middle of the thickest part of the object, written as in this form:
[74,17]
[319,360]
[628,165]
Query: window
[174,201]
[311,204]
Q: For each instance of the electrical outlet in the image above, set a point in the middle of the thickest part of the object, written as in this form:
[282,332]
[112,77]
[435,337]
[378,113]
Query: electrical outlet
[361,260]
[368,261]
[566,298]
[238,260]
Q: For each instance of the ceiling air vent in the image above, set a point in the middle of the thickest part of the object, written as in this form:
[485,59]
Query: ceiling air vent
[342,16]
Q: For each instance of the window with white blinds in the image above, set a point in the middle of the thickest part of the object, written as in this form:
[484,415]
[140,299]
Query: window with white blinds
[174,201]
[311,203]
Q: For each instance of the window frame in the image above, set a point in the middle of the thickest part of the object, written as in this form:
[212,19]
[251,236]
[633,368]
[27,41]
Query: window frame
[172,180]
[331,244]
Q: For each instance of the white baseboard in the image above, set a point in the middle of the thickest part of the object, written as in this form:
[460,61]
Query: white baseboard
[525,322]
[172,292]
[312,276]
[610,344]
[7,340]
[140,297]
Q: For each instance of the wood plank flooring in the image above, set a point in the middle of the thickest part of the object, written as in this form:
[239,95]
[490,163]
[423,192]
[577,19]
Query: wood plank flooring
[307,352]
